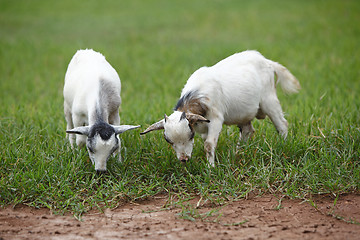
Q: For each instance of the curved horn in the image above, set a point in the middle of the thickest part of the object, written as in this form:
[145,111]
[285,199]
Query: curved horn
[122,128]
[80,130]
[156,126]
[193,118]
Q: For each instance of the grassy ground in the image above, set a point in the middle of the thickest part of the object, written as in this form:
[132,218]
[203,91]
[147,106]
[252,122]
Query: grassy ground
[155,46]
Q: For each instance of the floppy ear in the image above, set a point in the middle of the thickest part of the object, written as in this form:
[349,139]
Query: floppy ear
[194,118]
[80,130]
[156,126]
[122,128]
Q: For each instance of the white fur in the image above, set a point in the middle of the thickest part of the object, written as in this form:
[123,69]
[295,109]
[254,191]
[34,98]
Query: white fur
[179,132]
[82,87]
[235,91]
[92,96]
[102,150]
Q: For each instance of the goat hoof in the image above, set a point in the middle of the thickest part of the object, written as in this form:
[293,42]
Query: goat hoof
[99,172]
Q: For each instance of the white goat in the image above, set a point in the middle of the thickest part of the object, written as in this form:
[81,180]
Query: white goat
[91,103]
[234,91]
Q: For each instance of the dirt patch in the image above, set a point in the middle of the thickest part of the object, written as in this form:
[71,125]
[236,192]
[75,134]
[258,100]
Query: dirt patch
[266,217]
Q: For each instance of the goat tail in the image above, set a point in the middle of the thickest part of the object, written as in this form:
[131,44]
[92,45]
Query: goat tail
[288,82]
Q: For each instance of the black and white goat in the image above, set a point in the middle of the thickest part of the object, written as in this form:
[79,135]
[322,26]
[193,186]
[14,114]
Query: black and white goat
[91,106]
[233,92]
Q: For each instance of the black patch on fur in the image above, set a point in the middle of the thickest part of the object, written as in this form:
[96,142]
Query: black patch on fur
[104,129]
[192,102]
[184,99]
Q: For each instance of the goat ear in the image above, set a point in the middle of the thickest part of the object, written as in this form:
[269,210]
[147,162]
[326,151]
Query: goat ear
[156,126]
[194,118]
[122,128]
[183,116]
[166,118]
[80,130]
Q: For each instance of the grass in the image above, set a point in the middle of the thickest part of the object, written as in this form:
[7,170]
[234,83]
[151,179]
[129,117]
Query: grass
[155,46]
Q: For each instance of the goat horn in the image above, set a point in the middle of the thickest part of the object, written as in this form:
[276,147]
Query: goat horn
[156,126]
[80,130]
[193,118]
[122,128]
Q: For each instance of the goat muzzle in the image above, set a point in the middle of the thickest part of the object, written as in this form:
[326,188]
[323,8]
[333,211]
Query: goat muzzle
[184,159]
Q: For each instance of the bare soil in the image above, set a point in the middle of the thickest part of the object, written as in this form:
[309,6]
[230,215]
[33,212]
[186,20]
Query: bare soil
[265,217]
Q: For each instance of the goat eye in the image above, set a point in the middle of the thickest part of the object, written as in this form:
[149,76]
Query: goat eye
[168,140]
[192,136]
[114,149]
[91,150]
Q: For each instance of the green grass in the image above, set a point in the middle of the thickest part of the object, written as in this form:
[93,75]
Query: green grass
[155,46]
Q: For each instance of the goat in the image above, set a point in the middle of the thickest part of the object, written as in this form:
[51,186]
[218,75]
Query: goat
[91,106]
[233,92]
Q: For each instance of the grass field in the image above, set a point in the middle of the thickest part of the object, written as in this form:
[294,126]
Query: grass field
[155,46]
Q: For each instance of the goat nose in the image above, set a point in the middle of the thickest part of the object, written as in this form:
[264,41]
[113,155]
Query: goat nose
[98,172]
[184,159]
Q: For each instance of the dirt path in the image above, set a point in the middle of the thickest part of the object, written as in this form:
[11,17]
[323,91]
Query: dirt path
[256,218]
